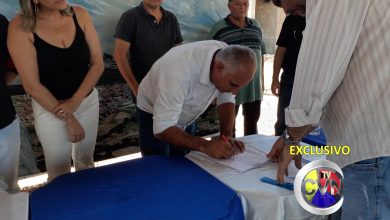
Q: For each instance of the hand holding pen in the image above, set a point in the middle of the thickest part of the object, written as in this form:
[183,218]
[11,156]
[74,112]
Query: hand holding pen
[238,146]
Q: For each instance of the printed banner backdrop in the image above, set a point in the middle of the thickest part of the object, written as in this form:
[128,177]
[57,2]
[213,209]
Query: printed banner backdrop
[118,124]
[195,16]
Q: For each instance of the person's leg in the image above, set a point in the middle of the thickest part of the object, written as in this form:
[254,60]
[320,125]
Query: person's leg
[366,189]
[384,188]
[283,102]
[27,159]
[88,116]
[9,156]
[149,144]
[251,113]
[53,135]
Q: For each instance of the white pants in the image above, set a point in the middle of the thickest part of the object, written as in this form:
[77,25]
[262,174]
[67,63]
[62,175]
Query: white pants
[54,137]
[9,156]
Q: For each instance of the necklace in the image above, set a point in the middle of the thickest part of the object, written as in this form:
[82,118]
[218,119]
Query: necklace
[54,24]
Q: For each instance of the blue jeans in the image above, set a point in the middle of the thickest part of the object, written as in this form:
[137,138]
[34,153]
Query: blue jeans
[150,145]
[367,189]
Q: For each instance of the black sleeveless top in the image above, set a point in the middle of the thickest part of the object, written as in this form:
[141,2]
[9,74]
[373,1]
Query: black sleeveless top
[7,110]
[61,70]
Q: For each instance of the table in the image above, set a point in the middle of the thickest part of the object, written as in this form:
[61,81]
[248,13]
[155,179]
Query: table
[13,206]
[147,188]
[260,200]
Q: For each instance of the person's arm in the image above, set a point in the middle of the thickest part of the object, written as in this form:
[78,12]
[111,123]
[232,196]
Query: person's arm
[323,60]
[227,116]
[124,36]
[176,27]
[285,36]
[120,56]
[179,138]
[263,49]
[278,61]
[171,93]
[214,148]
[96,64]
[22,51]
[262,73]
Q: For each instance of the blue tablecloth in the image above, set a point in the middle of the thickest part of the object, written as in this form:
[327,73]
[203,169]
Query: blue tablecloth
[316,140]
[147,188]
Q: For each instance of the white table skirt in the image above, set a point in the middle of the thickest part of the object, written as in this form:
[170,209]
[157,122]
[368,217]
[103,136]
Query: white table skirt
[13,206]
[260,200]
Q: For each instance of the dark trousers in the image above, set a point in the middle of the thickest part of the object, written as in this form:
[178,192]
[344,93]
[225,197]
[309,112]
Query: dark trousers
[251,113]
[283,102]
[150,145]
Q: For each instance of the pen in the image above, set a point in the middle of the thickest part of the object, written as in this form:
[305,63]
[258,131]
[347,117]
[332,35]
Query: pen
[224,138]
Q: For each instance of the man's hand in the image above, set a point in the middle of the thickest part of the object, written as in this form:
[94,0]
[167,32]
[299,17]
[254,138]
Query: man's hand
[75,130]
[219,149]
[239,147]
[275,87]
[281,152]
[276,150]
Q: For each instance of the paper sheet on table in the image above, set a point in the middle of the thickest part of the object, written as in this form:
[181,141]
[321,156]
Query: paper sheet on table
[263,144]
[244,161]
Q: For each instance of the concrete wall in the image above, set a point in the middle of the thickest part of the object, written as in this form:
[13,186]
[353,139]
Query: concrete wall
[271,19]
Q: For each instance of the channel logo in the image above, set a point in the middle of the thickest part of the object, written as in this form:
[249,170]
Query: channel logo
[318,187]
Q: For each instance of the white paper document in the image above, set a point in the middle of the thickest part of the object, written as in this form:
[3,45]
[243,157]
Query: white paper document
[244,161]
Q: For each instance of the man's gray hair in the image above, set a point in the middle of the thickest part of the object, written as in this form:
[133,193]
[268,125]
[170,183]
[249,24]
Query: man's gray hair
[236,55]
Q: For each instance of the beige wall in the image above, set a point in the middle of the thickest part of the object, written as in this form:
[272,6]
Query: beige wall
[271,19]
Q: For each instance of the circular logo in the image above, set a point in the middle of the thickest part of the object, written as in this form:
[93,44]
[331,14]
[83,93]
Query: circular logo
[318,187]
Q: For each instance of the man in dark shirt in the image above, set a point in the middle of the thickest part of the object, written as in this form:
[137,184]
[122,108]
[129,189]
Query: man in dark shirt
[9,125]
[147,32]
[143,34]
[286,56]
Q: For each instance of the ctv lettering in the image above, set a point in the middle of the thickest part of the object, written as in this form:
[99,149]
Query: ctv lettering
[327,181]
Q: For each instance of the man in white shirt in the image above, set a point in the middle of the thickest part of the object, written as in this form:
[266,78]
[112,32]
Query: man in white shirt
[181,85]
[342,80]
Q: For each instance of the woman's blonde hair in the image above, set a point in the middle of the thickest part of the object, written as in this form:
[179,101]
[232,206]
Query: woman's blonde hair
[29,12]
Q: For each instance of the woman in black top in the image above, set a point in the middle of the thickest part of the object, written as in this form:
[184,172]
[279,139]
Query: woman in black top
[57,53]
[9,124]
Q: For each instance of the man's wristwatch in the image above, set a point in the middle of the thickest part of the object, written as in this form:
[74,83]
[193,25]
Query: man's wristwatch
[287,139]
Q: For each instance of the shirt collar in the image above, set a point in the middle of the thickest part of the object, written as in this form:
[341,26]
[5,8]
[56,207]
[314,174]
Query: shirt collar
[204,78]
[146,13]
[229,22]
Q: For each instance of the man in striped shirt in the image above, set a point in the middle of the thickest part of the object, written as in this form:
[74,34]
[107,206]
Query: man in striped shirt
[342,81]
[237,28]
